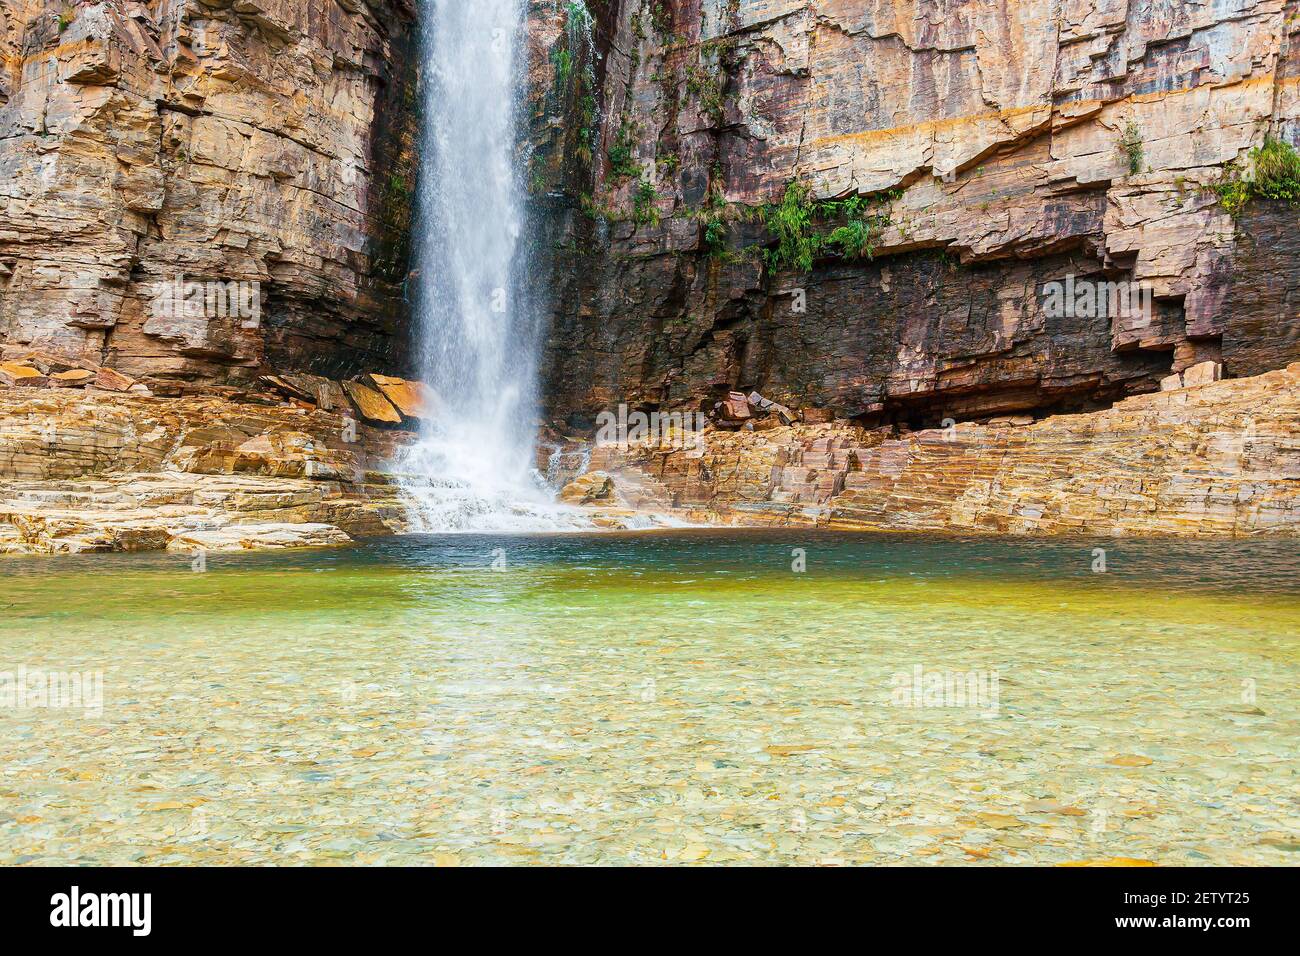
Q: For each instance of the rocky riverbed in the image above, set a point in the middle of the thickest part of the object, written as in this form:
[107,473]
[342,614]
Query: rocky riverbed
[677,698]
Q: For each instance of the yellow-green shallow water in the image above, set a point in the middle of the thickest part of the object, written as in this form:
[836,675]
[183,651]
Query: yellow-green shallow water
[670,697]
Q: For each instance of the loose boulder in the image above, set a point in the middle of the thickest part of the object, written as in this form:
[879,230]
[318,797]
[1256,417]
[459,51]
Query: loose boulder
[414,400]
[371,405]
[11,373]
[1203,373]
[73,378]
[111,381]
[325,393]
[768,407]
[593,486]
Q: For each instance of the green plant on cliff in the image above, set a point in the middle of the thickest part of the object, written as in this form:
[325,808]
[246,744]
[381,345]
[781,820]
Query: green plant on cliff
[562,60]
[857,239]
[645,209]
[715,238]
[578,46]
[713,216]
[661,18]
[706,87]
[596,208]
[589,130]
[790,221]
[864,222]
[793,223]
[1233,192]
[578,20]
[1277,170]
[397,187]
[621,163]
[1274,173]
[1130,144]
[574,92]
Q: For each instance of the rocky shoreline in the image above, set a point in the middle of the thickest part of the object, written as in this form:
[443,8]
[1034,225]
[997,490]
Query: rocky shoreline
[95,471]
[1214,459]
[88,470]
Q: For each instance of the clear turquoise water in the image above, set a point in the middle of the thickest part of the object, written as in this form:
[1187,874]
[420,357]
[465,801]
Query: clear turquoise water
[659,698]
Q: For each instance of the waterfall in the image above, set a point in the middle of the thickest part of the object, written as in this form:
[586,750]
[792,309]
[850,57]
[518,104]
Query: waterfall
[476,292]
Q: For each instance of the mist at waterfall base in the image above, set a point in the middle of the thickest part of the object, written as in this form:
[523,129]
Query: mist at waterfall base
[477,291]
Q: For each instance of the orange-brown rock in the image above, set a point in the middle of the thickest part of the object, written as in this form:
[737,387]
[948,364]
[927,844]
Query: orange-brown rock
[1216,459]
[592,486]
[113,381]
[372,405]
[144,142]
[90,471]
[73,378]
[284,386]
[12,373]
[415,400]
[45,362]
[324,393]
[994,148]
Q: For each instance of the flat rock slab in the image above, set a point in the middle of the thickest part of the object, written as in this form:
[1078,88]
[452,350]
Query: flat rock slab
[1215,459]
[413,399]
[13,374]
[74,378]
[259,537]
[327,394]
[372,405]
[111,381]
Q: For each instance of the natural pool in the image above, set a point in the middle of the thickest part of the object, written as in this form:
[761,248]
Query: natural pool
[660,698]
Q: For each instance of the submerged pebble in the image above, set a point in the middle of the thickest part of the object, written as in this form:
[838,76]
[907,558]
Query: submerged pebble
[639,706]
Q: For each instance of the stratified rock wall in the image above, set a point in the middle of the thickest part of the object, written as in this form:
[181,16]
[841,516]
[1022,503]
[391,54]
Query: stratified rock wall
[91,471]
[1010,144]
[1216,459]
[272,141]
[265,141]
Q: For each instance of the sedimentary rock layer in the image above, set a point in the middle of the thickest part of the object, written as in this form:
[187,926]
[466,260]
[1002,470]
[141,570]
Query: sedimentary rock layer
[263,142]
[1002,146]
[1216,459]
[93,471]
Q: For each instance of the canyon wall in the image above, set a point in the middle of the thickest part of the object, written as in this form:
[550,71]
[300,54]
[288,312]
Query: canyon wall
[253,141]
[999,146]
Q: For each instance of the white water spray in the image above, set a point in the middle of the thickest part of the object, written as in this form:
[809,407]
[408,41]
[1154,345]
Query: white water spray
[478,318]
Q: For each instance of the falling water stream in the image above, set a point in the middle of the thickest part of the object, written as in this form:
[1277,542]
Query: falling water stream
[478,308]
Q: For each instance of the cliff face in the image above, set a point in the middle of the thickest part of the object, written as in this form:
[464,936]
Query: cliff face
[257,141]
[997,147]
